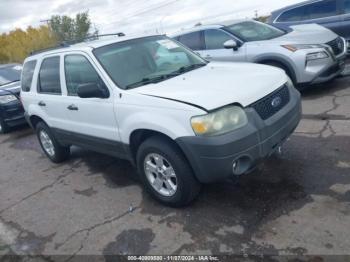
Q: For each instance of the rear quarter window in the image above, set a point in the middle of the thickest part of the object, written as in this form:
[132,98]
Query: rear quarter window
[27,75]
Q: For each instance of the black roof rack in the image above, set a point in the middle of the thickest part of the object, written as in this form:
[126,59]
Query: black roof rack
[69,43]
[61,45]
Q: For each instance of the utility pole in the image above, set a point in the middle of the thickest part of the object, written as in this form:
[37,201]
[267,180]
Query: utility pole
[256,14]
[47,21]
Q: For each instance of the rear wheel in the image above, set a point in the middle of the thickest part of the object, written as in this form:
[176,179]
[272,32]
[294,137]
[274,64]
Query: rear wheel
[51,147]
[4,128]
[166,173]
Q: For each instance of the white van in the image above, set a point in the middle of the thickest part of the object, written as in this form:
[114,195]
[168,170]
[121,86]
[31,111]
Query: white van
[181,120]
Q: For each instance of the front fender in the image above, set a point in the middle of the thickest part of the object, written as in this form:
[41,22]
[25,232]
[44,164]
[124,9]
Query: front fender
[169,123]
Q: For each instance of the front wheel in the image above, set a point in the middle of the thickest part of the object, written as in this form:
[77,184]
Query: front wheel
[166,173]
[51,147]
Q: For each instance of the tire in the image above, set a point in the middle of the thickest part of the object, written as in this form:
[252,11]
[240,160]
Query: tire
[59,153]
[187,186]
[4,128]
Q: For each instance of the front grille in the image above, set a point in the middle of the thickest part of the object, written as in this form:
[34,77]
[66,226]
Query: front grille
[272,103]
[337,46]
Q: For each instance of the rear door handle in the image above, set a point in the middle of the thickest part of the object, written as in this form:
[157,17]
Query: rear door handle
[41,103]
[73,108]
[208,56]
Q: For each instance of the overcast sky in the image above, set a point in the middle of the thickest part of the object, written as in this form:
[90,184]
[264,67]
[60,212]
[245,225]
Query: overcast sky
[134,15]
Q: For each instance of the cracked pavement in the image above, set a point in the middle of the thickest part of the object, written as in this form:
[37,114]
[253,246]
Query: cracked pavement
[297,203]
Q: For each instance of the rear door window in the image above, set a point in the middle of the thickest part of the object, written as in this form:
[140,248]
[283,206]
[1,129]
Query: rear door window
[49,76]
[27,75]
[215,39]
[321,9]
[78,71]
[193,40]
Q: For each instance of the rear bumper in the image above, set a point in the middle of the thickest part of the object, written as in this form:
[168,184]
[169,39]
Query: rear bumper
[12,113]
[213,158]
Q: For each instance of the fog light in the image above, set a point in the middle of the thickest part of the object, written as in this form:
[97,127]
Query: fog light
[234,166]
[241,165]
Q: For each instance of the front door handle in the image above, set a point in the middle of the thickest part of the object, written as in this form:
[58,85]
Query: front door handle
[73,108]
[208,56]
[41,103]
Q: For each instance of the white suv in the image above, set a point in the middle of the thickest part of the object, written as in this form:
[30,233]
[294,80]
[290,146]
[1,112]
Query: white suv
[181,120]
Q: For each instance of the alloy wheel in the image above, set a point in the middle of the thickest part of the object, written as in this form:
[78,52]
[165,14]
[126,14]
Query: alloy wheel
[160,174]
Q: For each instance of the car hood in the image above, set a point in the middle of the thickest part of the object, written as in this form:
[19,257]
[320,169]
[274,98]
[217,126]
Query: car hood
[12,88]
[219,84]
[308,34]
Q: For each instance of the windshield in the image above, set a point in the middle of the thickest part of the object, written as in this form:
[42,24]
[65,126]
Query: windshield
[138,62]
[254,31]
[10,74]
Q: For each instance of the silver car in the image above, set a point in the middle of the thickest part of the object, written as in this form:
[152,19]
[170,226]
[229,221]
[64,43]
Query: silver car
[310,54]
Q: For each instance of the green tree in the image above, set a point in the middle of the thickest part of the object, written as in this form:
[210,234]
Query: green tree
[69,29]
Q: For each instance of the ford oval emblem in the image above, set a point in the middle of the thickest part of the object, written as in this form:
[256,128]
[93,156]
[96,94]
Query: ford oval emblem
[276,102]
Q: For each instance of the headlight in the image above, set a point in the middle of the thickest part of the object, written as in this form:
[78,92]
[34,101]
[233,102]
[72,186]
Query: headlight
[295,48]
[316,55]
[219,122]
[7,99]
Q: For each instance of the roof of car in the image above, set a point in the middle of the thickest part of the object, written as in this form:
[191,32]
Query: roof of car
[86,45]
[209,26]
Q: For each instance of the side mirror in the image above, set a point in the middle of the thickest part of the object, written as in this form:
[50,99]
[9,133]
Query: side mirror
[231,44]
[92,90]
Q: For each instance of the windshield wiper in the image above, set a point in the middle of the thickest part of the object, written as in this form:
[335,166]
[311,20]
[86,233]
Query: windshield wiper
[185,69]
[147,80]
[10,82]
[157,79]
